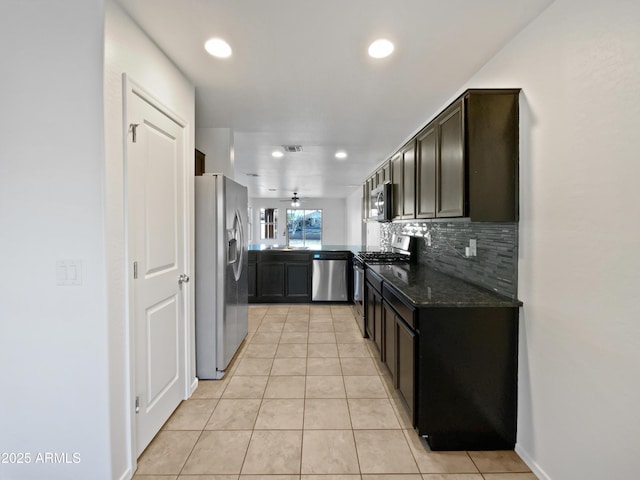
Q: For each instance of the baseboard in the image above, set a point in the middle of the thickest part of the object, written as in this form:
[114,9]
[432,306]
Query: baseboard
[127,475]
[531,463]
[193,386]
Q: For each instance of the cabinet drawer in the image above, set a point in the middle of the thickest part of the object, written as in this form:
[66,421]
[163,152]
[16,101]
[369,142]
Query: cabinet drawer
[374,280]
[405,311]
[289,257]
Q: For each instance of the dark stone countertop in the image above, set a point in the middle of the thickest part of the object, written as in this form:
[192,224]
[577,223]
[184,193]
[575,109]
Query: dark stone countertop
[322,248]
[425,287]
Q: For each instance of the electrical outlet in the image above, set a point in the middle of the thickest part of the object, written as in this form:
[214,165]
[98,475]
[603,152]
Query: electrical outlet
[473,251]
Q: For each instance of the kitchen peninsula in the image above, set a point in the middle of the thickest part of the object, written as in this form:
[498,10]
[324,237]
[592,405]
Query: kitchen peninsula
[283,274]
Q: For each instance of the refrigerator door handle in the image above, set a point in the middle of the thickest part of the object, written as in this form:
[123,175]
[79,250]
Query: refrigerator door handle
[236,246]
[232,254]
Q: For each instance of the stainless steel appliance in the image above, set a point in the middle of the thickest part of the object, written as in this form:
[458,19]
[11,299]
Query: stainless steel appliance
[358,293]
[380,203]
[329,277]
[221,273]
[401,251]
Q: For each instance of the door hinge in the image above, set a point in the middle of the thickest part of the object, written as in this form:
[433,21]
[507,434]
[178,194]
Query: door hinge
[133,127]
[137,404]
[135,270]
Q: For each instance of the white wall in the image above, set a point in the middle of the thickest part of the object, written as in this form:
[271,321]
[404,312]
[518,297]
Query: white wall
[354,218]
[217,144]
[53,339]
[129,50]
[333,218]
[579,268]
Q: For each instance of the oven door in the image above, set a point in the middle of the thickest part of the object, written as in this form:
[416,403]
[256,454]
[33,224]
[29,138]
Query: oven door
[358,294]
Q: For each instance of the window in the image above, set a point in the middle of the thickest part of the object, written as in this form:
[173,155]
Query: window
[304,228]
[268,223]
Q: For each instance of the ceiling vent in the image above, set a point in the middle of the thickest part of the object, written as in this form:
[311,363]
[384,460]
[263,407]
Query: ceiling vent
[292,148]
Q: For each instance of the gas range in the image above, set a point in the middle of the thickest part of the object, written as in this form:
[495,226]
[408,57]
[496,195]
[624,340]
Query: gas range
[402,251]
[375,258]
[402,247]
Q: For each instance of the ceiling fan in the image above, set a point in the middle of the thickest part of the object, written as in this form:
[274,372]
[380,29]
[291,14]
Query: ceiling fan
[295,200]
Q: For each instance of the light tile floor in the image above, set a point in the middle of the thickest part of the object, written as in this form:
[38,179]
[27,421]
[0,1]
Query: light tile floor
[306,397]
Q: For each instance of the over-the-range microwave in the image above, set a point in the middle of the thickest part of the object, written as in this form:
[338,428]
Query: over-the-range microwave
[380,203]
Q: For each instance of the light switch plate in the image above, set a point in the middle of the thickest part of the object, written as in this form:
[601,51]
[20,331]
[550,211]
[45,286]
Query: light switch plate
[69,272]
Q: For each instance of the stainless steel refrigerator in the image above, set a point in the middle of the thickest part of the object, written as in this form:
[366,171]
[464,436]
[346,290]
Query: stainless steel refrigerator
[221,272]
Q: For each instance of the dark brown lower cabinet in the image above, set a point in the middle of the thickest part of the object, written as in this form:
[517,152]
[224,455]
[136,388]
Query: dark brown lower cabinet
[466,381]
[298,275]
[456,369]
[271,280]
[389,351]
[400,349]
[373,308]
[280,277]
[405,363]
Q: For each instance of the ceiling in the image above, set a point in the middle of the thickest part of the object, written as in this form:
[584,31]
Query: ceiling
[300,74]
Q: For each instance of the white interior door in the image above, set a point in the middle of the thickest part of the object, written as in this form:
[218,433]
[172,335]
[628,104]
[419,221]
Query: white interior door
[155,170]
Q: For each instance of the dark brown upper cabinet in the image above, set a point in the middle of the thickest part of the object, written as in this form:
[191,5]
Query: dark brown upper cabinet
[440,179]
[382,175]
[462,164]
[450,191]
[492,154]
[403,175]
[200,160]
[467,159]
[426,159]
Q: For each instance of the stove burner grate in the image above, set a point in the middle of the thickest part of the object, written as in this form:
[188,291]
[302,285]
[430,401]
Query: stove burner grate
[383,257]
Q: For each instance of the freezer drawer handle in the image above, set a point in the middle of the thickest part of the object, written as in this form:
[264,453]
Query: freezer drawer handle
[183,279]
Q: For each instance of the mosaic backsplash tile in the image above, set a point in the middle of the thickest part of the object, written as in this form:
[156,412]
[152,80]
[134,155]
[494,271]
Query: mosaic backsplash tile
[496,265]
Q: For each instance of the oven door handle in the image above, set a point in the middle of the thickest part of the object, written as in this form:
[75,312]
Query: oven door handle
[358,279]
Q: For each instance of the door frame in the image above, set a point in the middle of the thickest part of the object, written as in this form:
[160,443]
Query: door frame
[130,87]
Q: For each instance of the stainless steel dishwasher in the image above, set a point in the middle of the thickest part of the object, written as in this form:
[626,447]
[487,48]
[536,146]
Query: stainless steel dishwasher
[329,277]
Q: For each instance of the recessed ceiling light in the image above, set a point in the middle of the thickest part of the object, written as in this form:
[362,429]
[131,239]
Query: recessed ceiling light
[380,48]
[218,48]
[277,154]
[341,154]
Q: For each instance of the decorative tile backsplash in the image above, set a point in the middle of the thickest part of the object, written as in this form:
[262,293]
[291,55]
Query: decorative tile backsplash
[496,265]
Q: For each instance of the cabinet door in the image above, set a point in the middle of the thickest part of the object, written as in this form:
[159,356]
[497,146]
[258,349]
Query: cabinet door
[200,162]
[397,178]
[383,174]
[409,181]
[298,284]
[405,363]
[389,352]
[365,202]
[377,320]
[386,172]
[426,159]
[450,167]
[491,130]
[271,280]
[370,311]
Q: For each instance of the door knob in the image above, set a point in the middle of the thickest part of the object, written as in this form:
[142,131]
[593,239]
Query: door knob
[183,279]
